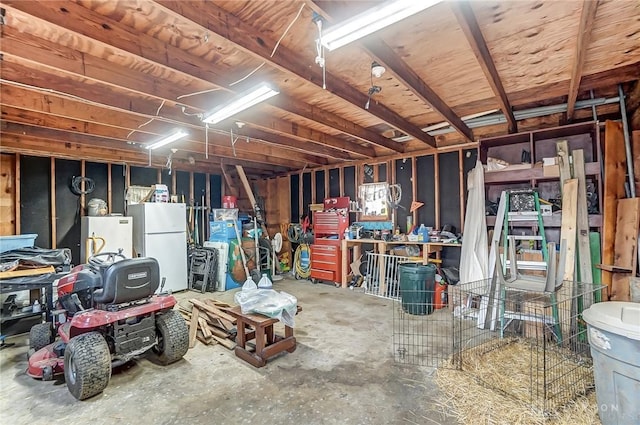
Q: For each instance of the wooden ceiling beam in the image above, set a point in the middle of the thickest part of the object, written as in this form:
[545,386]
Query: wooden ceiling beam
[108,143]
[329,119]
[71,108]
[227,26]
[172,59]
[587,17]
[469,25]
[221,147]
[303,146]
[307,134]
[384,55]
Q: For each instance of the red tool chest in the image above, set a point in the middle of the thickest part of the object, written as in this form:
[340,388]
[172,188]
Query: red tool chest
[326,255]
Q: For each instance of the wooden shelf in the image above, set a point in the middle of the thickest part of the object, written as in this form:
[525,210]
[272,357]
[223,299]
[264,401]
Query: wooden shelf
[554,220]
[533,173]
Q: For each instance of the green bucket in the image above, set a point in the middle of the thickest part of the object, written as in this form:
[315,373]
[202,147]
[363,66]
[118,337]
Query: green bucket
[417,285]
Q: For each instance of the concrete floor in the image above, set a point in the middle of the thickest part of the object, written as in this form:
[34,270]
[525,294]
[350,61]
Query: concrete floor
[341,373]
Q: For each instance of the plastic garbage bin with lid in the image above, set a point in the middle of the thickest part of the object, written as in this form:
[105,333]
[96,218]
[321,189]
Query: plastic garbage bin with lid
[417,283]
[614,337]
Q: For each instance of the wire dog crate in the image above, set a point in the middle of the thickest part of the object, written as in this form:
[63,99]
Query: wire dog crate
[383,277]
[531,346]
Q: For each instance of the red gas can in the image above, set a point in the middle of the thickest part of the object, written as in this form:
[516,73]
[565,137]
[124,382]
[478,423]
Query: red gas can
[440,296]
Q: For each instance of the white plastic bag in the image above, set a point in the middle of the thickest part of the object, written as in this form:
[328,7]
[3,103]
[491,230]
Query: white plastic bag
[268,302]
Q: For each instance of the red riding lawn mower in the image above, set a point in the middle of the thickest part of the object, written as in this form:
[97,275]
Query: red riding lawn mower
[107,314]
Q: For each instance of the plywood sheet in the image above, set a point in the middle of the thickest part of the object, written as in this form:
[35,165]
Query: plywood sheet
[615,36]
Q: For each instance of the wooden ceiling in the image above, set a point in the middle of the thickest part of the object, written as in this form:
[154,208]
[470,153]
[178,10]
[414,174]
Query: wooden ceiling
[99,79]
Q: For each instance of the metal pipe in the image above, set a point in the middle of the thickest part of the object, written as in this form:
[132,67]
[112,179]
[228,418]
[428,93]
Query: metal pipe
[627,142]
[499,118]
[593,107]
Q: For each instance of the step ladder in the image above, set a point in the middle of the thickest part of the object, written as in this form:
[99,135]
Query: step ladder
[515,207]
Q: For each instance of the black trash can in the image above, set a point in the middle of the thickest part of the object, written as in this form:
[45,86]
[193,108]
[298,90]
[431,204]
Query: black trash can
[417,285]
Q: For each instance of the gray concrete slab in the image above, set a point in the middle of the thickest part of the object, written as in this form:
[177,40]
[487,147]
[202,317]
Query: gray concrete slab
[341,373]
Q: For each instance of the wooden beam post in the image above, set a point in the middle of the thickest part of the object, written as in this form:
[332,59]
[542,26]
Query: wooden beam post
[17,196]
[587,16]
[469,26]
[109,189]
[52,183]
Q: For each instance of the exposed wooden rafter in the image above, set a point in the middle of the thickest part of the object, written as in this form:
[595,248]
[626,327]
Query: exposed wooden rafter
[387,57]
[258,45]
[469,25]
[587,17]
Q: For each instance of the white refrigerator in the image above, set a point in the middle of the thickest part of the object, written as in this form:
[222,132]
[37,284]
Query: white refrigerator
[106,234]
[160,231]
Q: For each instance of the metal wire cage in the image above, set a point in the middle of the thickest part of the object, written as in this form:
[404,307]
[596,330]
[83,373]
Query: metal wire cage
[531,346]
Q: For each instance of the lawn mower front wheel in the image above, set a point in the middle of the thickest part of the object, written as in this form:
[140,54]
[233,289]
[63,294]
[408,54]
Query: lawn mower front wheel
[173,337]
[87,365]
[40,336]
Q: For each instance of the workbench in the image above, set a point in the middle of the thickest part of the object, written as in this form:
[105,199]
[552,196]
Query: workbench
[382,247]
[260,328]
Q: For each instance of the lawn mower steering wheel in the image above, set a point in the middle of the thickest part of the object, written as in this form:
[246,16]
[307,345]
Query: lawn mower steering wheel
[111,257]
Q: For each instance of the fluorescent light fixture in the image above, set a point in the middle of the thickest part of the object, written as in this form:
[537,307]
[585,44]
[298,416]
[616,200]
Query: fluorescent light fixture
[372,20]
[244,101]
[169,139]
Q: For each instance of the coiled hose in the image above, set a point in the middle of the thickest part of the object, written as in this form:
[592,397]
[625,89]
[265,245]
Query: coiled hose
[302,261]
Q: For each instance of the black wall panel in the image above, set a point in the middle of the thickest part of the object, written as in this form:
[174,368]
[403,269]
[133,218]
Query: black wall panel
[306,192]
[449,180]
[215,181]
[35,190]
[199,187]
[469,158]
[426,190]
[382,172]
[349,175]
[99,173]
[449,185]
[403,178]
[142,176]
[294,183]
[182,186]
[117,189]
[166,178]
[320,195]
[334,183]
[67,203]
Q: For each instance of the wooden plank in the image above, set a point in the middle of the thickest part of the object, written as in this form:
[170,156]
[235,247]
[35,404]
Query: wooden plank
[615,169]
[17,197]
[625,247]
[224,341]
[204,327]
[193,326]
[27,272]
[564,164]
[614,269]
[587,16]
[568,228]
[214,310]
[584,251]
[635,137]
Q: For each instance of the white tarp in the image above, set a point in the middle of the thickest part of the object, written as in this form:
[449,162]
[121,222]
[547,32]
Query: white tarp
[474,258]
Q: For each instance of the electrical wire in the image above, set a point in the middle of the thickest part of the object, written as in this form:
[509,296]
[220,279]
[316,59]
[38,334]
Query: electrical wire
[294,233]
[394,196]
[275,48]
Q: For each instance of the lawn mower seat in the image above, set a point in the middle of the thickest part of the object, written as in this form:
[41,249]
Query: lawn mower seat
[128,280]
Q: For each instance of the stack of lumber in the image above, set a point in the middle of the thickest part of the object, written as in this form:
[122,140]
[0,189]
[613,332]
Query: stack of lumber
[210,323]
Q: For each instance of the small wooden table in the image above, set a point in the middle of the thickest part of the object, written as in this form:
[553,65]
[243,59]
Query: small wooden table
[260,328]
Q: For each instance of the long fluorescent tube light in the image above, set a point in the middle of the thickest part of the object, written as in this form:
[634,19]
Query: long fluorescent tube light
[372,20]
[244,101]
[169,139]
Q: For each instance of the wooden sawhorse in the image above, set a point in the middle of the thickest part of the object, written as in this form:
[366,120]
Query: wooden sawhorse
[260,328]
